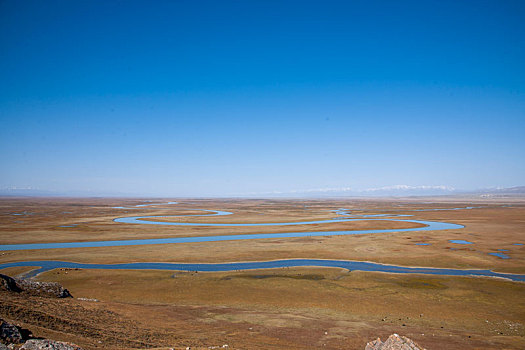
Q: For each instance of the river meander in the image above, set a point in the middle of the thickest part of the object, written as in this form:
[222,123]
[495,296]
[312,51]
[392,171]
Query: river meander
[344,214]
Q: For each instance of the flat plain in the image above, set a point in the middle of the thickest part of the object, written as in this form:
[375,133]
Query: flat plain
[283,308]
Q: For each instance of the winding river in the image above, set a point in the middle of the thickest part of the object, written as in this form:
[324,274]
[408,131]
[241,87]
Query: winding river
[47,265]
[344,214]
[150,220]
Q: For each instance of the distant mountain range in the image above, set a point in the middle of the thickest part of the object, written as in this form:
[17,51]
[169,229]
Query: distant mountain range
[395,191]
[32,192]
[387,191]
[518,190]
[25,192]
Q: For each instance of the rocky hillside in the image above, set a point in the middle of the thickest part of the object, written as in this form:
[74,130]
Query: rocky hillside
[49,308]
[15,337]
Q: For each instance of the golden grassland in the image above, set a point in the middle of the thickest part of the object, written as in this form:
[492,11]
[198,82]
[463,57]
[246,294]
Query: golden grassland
[289,308]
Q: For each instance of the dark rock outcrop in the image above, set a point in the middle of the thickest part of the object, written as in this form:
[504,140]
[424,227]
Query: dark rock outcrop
[46,344]
[45,289]
[9,284]
[9,333]
[394,342]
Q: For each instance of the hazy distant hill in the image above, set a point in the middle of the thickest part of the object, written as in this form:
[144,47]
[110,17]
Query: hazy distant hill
[30,192]
[407,191]
[26,192]
[395,191]
[388,191]
[498,192]
[513,190]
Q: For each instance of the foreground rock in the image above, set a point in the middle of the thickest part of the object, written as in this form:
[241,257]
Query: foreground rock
[45,289]
[46,344]
[394,342]
[9,333]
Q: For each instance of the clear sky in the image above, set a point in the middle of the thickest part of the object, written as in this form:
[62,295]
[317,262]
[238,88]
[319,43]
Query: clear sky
[197,98]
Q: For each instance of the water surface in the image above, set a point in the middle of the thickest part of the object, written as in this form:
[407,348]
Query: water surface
[222,267]
[459,241]
[429,226]
[500,255]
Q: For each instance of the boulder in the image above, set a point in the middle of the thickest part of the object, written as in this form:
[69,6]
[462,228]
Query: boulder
[9,333]
[46,344]
[394,342]
[45,289]
[50,289]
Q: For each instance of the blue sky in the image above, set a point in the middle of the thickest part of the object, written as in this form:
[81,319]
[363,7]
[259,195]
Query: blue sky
[197,98]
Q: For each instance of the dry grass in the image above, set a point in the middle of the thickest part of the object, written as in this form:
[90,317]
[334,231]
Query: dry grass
[285,308]
[297,305]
